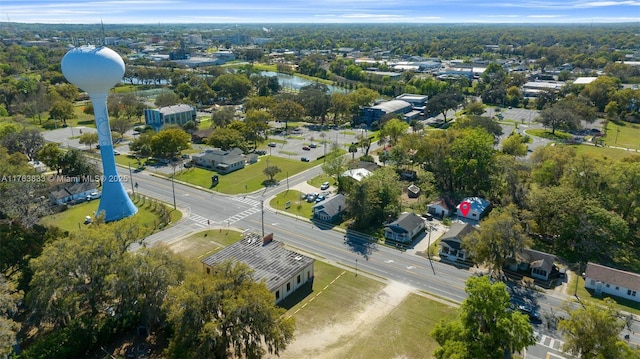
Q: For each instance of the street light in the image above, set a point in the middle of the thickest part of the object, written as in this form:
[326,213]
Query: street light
[174,164]
[356,267]
[131,179]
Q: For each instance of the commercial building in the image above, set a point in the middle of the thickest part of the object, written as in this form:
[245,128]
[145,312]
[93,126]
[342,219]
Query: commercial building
[282,270]
[176,114]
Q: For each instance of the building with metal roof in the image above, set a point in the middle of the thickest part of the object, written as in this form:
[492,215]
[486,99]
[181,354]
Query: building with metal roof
[282,270]
[616,282]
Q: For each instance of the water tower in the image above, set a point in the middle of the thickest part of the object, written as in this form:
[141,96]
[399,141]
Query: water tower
[96,71]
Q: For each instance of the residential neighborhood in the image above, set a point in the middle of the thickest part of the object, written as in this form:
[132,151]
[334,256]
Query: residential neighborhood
[309,190]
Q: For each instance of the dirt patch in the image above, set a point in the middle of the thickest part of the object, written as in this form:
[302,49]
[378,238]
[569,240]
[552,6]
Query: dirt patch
[332,340]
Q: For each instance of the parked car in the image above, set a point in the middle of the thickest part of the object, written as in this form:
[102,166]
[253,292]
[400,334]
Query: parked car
[271,144]
[324,186]
[313,145]
[311,197]
[306,148]
[304,159]
[319,198]
[93,195]
[116,152]
[533,315]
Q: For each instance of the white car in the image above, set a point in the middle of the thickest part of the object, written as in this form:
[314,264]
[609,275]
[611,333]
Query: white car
[324,186]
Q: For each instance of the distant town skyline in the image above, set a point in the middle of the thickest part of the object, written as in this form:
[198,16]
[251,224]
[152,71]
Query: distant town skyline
[319,11]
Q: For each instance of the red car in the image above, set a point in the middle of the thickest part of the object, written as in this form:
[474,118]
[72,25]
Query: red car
[306,148]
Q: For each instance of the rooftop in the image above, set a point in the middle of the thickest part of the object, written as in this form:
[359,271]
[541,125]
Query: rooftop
[613,276]
[268,258]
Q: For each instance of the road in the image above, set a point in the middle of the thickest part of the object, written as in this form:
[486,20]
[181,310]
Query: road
[204,210]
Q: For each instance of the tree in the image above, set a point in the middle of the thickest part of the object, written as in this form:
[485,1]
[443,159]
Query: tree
[488,124]
[287,110]
[316,100]
[394,129]
[88,138]
[8,308]
[375,199]
[225,314]
[257,124]
[514,145]
[74,163]
[142,144]
[567,114]
[131,107]
[486,328]
[222,116]
[27,141]
[226,139]
[444,101]
[471,161]
[167,99]
[168,143]
[232,87]
[51,155]
[271,172]
[592,331]
[121,125]
[500,239]
[62,110]
[475,108]
[340,105]
[601,91]
[33,103]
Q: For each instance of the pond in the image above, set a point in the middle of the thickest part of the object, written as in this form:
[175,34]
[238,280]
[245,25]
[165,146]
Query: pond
[291,82]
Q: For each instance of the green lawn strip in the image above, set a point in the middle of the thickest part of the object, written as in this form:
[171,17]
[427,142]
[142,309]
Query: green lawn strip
[298,206]
[605,152]
[584,294]
[557,136]
[72,219]
[202,244]
[332,302]
[277,141]
[403,333]
[629,135]
[248,179]
[319,180]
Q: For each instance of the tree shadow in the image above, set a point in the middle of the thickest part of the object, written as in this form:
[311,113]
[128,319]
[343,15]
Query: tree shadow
[360,243]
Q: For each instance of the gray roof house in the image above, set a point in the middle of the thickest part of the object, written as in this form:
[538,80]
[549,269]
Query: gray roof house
[451,242]
[403,229]
[330,210]
[538,264]
[282,270]
[615,282]
[222,161]
[72,192]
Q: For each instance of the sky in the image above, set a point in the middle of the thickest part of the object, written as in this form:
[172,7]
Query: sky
[318,11]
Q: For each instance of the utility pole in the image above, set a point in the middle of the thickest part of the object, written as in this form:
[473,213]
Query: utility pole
[262,214]
[131,179]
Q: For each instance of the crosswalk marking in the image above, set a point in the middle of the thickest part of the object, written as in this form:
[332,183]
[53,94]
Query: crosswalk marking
[249,201]
[549,342]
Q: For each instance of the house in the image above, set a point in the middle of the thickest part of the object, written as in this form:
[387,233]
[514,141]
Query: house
[356,174]
[330,210]
[442,207]
[473,208]
[222,161]
[413,191]
[201,136]
[282,270]
[72,192]
[451,242]
[616,282]
[403,229]
[176,114]
[538,264]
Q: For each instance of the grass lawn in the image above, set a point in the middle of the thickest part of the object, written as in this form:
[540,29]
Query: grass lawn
[584,294]
[628,135]
[72,219]
[338,301]
[248,179]
[606,152]
[319,180]
[298,207]
[404,333]
[558,136]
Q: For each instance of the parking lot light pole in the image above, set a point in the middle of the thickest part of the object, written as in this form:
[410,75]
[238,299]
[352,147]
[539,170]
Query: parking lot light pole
[131,179]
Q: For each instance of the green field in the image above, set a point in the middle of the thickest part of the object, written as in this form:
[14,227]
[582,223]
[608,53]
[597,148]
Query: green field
[72,219]
[298,206]
[202,244]
[606,152]
[249,179]
[622,134]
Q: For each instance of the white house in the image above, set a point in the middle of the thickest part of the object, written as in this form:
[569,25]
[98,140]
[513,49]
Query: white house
[442,207]
[473,208]
[616,282]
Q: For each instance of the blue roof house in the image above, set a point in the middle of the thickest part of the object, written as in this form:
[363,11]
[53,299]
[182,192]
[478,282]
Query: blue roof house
[473,208]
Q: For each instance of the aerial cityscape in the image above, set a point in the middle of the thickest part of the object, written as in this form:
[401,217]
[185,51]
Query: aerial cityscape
[298,180]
